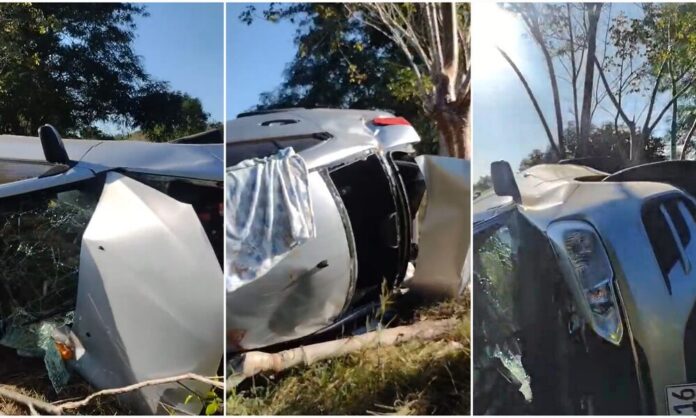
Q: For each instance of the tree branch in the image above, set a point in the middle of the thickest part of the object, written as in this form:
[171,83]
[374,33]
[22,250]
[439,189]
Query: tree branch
[59,408]
[530,93]
[687,140]
[616,104]
[669,104]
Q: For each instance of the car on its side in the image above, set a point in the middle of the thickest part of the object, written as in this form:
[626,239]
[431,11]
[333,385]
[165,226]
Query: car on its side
[585,290]
[365,188]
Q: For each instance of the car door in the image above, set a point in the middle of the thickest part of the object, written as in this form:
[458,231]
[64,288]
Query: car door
[135,266]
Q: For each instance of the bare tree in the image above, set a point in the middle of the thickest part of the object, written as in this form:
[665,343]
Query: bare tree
[593,11]
[532,18]
[564,33]
[434,38]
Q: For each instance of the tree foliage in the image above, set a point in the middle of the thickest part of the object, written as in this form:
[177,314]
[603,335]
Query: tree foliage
[71,65]
[343,62]
[605,144]
[644,56]
[164,115]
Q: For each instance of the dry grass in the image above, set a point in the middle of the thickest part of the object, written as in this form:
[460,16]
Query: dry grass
[414,378]
[28,376]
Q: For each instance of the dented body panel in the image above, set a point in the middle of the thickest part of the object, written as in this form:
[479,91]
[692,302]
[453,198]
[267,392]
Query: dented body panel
[361,212]
[299,298]
[446,228]
[656,315]
[149,302]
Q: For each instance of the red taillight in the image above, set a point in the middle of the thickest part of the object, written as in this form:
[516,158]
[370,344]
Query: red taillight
[390,121]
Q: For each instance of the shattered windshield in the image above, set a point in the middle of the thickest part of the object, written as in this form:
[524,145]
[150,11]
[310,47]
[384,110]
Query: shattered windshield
[501,383]
[40,236]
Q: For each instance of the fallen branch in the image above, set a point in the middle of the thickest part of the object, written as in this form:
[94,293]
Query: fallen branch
[117,391]
[60,407]
[255,362]
[32,404]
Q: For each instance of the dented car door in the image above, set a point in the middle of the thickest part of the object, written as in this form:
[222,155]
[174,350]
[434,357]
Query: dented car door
[149,284]
[142,279]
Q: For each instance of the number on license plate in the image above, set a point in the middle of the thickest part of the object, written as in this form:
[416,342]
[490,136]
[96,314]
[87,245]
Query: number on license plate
[681,399]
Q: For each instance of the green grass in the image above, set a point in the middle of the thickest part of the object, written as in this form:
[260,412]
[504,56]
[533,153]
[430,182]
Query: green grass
[415,377]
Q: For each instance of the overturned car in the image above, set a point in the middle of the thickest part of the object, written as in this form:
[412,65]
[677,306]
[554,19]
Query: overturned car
[112,262]
[321,220]
[584,291]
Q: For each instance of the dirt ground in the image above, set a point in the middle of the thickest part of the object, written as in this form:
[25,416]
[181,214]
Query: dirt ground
[28,376]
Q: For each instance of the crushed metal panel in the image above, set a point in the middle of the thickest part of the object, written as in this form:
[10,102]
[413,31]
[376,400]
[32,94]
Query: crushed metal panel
[305,291]
[444,234]
[150,297]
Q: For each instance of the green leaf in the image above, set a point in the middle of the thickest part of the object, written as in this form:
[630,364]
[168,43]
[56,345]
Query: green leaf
[212,408]
[188,399]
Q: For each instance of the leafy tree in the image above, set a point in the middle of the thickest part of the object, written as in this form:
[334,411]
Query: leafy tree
[605,144]
[635,57]
[537,157]
[163,115]
[434,39]
[660,47]
[342,62]
[66,64]
[482,184]
[73,64]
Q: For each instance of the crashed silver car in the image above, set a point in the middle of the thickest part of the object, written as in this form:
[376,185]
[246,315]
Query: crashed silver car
[111,254]
[585,290]
[321,209]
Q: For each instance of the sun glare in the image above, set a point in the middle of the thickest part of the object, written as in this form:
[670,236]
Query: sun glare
[494,27]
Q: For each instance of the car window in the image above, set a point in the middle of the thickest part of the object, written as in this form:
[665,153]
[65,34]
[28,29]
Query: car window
[668,231]
[240,151]
[40,237]
[500,378]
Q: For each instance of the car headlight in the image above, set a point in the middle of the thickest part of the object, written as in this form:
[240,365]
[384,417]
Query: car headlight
[585,262]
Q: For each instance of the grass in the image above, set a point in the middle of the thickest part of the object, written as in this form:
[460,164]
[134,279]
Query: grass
[413,378]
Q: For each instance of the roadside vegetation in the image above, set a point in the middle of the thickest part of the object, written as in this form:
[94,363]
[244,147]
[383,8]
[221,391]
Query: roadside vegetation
[412,378]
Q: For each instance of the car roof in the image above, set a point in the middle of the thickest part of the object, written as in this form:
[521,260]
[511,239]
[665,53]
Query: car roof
[203,162]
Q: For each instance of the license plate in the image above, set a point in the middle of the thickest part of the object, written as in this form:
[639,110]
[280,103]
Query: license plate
[681,399]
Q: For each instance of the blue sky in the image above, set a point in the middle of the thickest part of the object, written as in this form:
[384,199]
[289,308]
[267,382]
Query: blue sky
[505,126]
[182,43]
[257,54]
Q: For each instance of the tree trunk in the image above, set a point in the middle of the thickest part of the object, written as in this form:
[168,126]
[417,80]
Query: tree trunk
[454,132]
[674,129]
[637,147]
[593,11]
[687,140]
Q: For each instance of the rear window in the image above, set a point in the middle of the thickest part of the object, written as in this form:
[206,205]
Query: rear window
[657,216]
[240,151]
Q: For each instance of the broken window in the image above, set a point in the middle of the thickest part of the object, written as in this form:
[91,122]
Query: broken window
[501,381]
[40,237]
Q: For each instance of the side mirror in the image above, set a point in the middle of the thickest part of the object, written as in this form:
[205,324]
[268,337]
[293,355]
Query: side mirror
[52,144]
[504,183]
